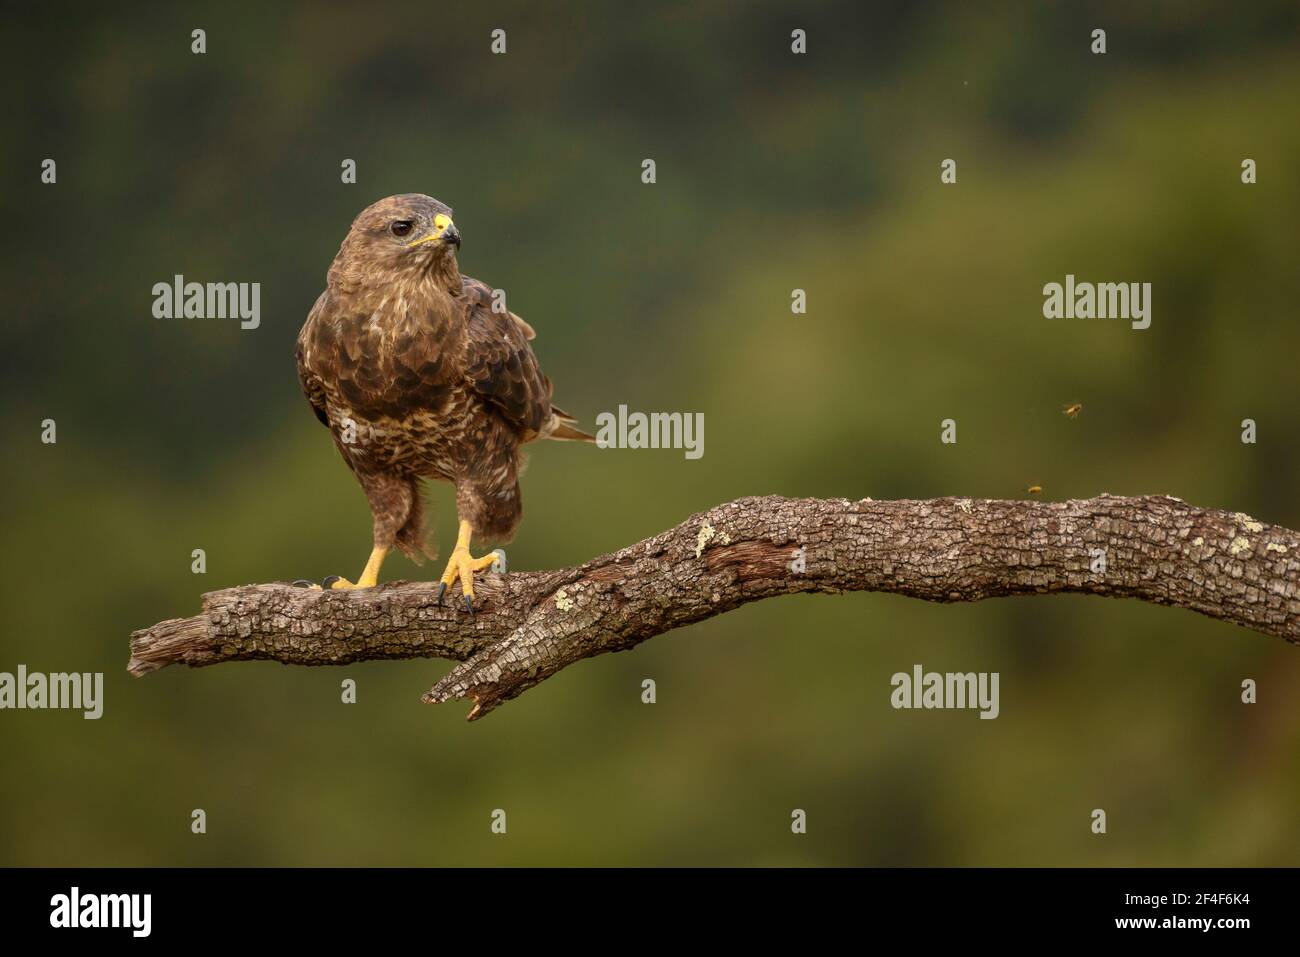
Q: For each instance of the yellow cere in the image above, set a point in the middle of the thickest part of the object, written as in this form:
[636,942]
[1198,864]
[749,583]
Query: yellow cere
[441,223]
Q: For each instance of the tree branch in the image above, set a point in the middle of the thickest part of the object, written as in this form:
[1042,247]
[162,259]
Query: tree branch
[529,625]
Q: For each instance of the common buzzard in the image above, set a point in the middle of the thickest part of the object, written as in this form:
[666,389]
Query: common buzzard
[419,372]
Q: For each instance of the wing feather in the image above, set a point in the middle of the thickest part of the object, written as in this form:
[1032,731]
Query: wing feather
[500,364]
[312,387]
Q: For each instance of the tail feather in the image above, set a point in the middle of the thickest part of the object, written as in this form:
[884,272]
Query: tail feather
[412,537]
[567,433]
[565,430]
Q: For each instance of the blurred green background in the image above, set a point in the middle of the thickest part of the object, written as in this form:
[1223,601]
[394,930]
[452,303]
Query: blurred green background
[775,171]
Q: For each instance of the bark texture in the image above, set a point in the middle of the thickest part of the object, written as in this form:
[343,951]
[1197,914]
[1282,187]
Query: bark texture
[529,625]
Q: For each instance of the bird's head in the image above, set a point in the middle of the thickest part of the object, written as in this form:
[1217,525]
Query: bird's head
[402,233]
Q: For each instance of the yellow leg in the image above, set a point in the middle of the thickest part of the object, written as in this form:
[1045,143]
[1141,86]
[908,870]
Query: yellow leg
[369,575]
[462,565]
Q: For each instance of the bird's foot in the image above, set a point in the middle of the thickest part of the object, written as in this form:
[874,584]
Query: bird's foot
[463,565]
[329,583]
[369,575]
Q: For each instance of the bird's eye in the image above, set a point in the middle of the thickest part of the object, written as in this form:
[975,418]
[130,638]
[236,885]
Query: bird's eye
[402,227]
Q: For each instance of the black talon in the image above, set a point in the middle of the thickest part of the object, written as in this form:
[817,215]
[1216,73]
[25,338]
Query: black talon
[442,590]
[328,581]
[469,605]
[301,583]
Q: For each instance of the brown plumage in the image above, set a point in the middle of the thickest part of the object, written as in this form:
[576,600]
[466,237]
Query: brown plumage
[416,375]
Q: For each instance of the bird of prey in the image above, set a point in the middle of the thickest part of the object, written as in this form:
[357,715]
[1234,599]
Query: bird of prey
[420,372]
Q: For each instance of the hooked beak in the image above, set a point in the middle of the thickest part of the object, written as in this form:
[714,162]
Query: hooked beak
[444,232]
